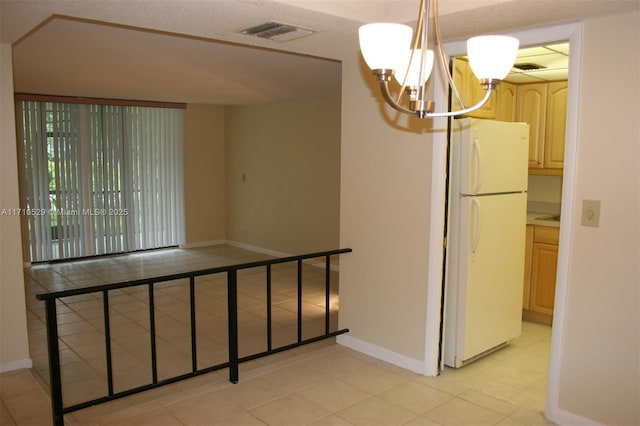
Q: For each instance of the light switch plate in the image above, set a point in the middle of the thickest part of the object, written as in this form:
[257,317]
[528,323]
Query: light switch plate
[591,213]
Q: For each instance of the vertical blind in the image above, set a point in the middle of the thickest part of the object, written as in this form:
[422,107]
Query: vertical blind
[100,179]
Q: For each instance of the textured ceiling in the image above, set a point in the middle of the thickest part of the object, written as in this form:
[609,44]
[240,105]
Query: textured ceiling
[108,61]
[191,51]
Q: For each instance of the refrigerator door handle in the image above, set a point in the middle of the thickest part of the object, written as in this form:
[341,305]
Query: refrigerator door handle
[476,156]
[475,205]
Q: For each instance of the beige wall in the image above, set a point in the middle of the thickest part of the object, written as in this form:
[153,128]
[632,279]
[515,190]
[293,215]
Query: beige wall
[385,213]
[14,345]
[204,174]
[600,360]
[385,175]
[283,175]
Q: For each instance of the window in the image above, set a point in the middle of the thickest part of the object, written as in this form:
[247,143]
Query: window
[100,179]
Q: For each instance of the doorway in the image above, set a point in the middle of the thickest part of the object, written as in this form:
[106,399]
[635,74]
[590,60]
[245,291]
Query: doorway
[505,299]
[532,37]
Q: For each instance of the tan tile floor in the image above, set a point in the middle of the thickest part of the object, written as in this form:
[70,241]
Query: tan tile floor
[319,384]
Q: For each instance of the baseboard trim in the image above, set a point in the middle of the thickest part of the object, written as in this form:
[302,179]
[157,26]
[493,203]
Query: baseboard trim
[16,365]
[203,244]
[257,249]
[563,417]
[381,353]
[274,253]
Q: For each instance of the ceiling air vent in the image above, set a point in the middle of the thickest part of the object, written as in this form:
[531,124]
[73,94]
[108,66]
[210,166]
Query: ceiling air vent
[277,31]
[528,66]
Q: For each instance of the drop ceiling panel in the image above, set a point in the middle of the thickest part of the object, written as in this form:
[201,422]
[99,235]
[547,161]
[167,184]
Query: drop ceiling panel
[553,61]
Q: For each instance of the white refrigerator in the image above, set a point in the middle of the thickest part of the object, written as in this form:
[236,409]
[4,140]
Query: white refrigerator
[487,212]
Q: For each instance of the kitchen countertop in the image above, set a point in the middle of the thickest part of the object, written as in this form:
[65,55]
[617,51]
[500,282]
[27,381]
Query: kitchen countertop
[544,219]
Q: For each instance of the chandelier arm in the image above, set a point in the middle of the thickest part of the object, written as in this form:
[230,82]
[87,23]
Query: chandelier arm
[443,57]
[384,88]
[467,110]
[418,29]
[426,4]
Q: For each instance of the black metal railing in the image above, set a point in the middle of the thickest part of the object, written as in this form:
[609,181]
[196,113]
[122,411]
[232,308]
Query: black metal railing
[234,359]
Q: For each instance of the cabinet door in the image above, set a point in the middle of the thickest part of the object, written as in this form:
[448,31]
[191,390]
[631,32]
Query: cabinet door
[528,254]
[531,108]
[460,71]
[471,92]
[506,102]
[543,277]
[556,125]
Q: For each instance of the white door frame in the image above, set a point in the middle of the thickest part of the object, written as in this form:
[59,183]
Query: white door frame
[531,37]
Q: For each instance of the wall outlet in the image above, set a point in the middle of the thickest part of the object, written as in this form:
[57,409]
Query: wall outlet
[591,213]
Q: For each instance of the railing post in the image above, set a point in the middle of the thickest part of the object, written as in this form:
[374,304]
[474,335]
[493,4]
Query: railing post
[232,309]
[269,310]
[327,301]
[192,308]
[107,341]
[299,300]
[152,335]
[55,376]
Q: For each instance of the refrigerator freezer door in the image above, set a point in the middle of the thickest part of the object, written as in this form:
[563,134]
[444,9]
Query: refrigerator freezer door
[484,282]
[493,156]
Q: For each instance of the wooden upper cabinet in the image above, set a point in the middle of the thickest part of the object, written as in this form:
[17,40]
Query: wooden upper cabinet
[556,125]
[506,102]
[544,107]
[460,70]
[531,109]
[470,91]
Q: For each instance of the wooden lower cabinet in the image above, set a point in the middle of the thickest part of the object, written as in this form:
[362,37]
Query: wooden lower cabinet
[528,257]
[543,274]
[540,265]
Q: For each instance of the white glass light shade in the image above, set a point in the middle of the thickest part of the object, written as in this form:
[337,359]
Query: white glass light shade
[383,44]
[413,78]
[492,56]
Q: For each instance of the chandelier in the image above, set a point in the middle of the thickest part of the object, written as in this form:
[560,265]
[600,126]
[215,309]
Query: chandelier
[388,50]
